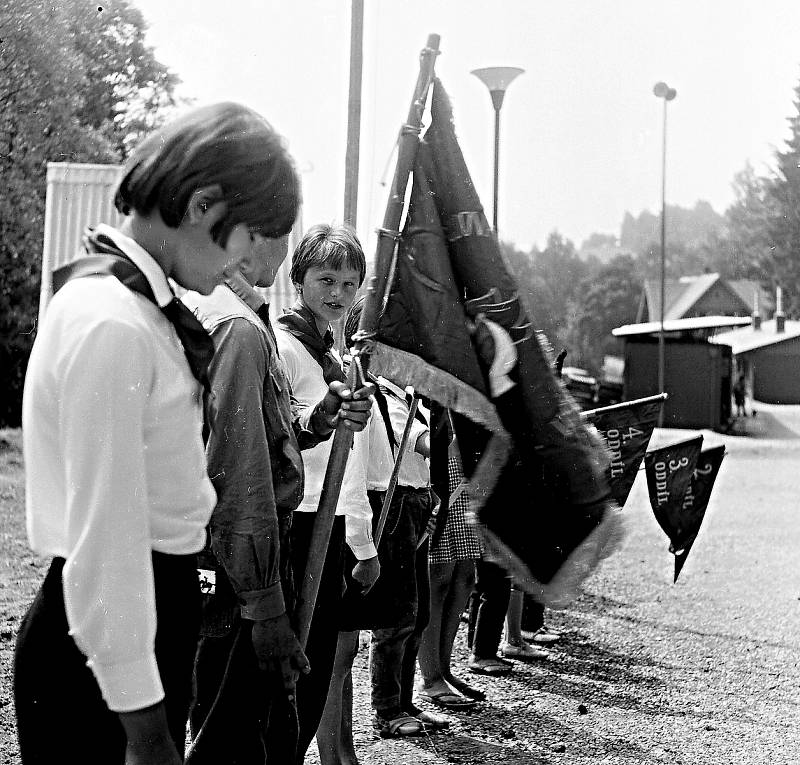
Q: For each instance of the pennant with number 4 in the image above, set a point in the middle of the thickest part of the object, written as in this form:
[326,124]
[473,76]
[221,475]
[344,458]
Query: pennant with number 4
[626,429]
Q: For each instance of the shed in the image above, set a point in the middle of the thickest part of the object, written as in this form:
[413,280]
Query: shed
[769,357]
[697,373]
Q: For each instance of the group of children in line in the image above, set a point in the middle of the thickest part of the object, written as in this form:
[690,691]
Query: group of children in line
[169,434]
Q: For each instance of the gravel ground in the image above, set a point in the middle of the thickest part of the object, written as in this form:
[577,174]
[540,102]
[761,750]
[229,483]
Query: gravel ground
[702,672]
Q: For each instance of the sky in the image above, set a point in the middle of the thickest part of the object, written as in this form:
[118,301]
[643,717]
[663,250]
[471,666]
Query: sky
[581,130]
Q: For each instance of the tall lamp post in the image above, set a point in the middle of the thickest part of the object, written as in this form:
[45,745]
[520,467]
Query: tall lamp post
[354,113]
[663,91]
[497,79]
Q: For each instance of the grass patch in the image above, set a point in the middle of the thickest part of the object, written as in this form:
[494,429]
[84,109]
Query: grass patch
[20,575]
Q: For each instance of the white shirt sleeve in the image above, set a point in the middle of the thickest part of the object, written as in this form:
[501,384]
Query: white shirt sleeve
[108,576]
[305,377]
[287,354]
[353,497]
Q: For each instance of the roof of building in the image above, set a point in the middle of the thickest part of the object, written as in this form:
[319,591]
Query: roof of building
[694,287]
[681,295]
[681,325]
[747,288]
[749,338]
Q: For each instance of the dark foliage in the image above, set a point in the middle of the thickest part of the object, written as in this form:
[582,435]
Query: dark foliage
[77,84]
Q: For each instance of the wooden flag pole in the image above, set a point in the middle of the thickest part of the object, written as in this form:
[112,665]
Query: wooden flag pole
[589,413]
[388,235]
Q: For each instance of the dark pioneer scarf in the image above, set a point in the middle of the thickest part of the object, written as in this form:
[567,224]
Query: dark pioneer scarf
[105,257]
[299,321]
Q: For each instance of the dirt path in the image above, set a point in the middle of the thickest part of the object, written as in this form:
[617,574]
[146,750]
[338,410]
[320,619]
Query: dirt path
[703,672]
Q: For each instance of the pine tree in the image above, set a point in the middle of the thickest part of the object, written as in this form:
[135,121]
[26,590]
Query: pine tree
[782,264]
[746,248]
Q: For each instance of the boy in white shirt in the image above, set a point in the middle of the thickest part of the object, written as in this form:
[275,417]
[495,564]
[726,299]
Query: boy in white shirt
[328,266]
[116,485]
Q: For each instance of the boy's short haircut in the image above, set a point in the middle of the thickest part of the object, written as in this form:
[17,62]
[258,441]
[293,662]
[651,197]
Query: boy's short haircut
[224,144]
[328,246]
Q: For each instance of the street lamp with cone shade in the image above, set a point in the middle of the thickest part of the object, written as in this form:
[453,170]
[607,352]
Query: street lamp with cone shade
[497,79]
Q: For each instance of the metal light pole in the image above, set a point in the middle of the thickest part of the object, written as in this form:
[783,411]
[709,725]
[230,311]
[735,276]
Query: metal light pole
[354,113]
[497,79]
[663,91]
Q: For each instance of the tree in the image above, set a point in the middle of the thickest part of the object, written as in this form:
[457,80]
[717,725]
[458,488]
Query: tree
[598,241]
[745,248]
[692,237]
[605,300]
[47,65]
[782,266]
[548,280]
[558,272]
[128,92]
[603,247]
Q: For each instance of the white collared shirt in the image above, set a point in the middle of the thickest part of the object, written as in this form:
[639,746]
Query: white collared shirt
[115,466]
[414,471]
[309,387]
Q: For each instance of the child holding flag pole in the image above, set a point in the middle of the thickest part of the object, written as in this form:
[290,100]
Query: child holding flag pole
[328,266]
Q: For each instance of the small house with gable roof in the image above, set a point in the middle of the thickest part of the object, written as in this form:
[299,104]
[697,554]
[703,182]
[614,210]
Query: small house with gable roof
[703,295]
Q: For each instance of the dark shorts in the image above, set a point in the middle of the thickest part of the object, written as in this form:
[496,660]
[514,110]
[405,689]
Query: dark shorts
[392,602]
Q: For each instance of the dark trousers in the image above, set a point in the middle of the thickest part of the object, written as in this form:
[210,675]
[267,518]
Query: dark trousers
[61,715]
[241,713]
[487,608]
[393,654]
[312,689]
[244,713]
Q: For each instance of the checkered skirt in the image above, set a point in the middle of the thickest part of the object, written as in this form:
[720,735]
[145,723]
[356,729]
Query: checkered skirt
[458,541]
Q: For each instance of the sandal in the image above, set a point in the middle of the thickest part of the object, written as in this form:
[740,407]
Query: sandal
[398,727]
[466,689]
[432,720]
[446,699]
[489,667]
[524,652]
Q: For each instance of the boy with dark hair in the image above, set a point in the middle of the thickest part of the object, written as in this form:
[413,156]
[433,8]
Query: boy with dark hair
[328,266]
[249,658]
[116,484]
[231,150]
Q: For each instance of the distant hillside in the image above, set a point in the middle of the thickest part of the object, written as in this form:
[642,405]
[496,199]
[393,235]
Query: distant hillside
[686,228]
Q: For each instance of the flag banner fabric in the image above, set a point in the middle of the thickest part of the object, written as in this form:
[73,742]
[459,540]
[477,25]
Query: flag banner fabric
[454,327]
[695,503]
[669,471]
[626,430]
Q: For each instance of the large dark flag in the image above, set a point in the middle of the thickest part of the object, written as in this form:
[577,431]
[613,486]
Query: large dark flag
[669,472]
[626,429]
[454,327]
[695,502]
